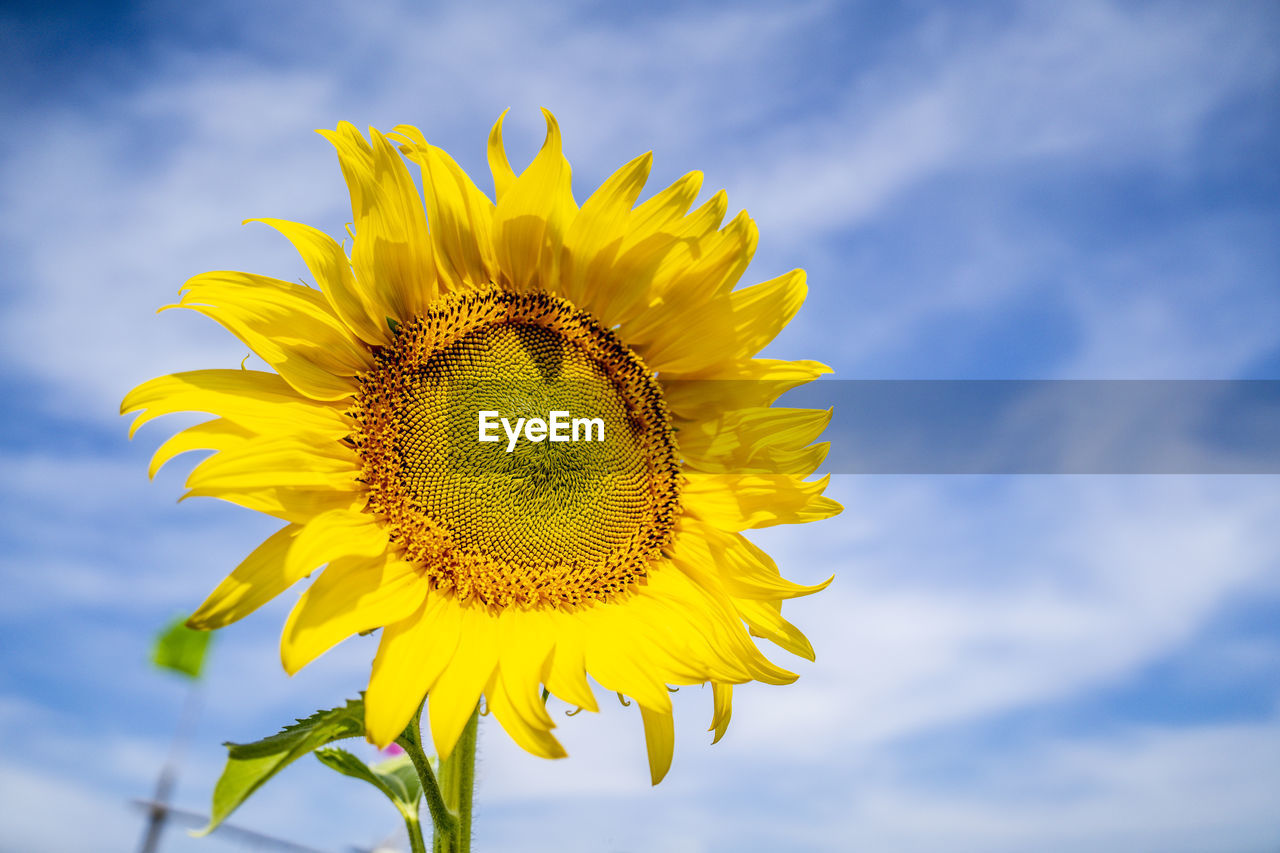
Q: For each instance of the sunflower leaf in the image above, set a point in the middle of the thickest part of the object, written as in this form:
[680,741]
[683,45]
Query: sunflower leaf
[180,649]
[250,765]
[395,777]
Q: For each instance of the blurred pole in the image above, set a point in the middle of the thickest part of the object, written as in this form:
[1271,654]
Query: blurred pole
[158,812]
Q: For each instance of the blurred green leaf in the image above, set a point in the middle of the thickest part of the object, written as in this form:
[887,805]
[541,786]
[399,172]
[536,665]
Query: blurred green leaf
[250,765]
[181,649]
[395,777]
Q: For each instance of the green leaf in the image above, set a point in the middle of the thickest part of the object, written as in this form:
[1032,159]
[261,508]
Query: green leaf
[181,649]
[395,777]
[250,765]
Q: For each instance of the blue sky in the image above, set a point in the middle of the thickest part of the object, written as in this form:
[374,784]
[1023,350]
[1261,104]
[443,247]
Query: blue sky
[1085,190]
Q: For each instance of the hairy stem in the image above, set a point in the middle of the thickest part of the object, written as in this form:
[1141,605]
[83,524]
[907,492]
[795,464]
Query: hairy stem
[442,820]
[457,782]
[414,828]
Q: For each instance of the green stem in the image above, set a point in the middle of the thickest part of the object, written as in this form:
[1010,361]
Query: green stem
[441,818]
[414,828]
[457,782]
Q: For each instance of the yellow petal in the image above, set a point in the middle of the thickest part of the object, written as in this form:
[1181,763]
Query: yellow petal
[735,385]
[767,622]
[530,220]
[722,699]
[743,501]
[758,440]
[354,594]
[723,647]
[290,326]
[411,656]
[673,641]
[455,694]
[503,175]
[720,258]
[334,534]
[217,434]
[391,251]
[258,400]
[284,502]
[659,740]
[744,569]
[566,675]
[356,306]
[655,214]
[615,655]
[260,577]
[278,462]
[595,236]
[460,216]
[729,326]
[526,730]
[663,239]
[526,641]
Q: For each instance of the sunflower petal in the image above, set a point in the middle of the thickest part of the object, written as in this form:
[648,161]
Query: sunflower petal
[759,440]
[525,729]
[260,577]
[526,642]
[700,601]
[707,261]
[659,740]
[566,673]
[503,175]
[354,594]
[412,655]
[767,622]
[530,220]
[736,385]
[744,569]
[460,216]
[595,236]
[743,501]
[277,462]
[615,655]
[290,326]
[730,325]
[330,267]
[669,205]
[332,535]
[284,502]
[256,399]
[453,698]
[391,251]
[638,276]
[722,700]
[217,434]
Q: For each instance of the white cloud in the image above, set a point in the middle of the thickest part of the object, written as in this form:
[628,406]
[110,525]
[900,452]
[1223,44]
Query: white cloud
[1050,85]
[980,596]
[1194,789]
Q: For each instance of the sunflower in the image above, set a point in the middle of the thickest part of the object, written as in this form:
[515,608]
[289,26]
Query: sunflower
[494,562]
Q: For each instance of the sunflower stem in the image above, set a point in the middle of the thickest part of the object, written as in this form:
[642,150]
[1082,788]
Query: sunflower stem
[442,820]
[457,781]
[414,828]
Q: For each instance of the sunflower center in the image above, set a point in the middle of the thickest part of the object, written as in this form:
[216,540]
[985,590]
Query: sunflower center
[518,451]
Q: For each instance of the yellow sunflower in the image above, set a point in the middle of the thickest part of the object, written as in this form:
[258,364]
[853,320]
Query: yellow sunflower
[601,535]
